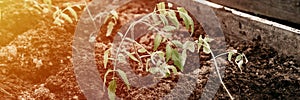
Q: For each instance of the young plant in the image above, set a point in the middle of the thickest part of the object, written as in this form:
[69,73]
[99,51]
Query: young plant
[60,15]
[163,21]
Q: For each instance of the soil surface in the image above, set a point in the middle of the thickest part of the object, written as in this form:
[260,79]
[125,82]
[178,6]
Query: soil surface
[35,63]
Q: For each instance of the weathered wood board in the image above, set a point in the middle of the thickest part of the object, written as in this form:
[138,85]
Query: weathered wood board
[247,30]
[288,10]
[243,29]
[285,40]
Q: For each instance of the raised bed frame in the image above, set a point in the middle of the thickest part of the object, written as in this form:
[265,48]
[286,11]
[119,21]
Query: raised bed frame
[248,28]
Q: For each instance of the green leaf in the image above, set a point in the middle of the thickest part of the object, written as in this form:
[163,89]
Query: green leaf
[66,17]
[177,43]
[78,6]
[185,20]
[106,18]
[169,28]
[206,50]
[189,45]
[160,54]
[48,2]
[157,41]
[34,10]
[120,34]
[142,50]
[206,47]
[105,57]
[73,12]
[161,7]
[182,10]
[206,39]
[230,55]
[154,70]
[182,14]
[200,42]
[164,70]
[129,39]
[173,18]
[154,17]
[240,63]
[188,21]
[157,23]
[58,21]
[112,89]
[158,63]
[124,77]
[110,27]
[131,56]
[168,52]
[39,7]
[114,13]
[238,58]
[163,19]
[177,59]
[167,36]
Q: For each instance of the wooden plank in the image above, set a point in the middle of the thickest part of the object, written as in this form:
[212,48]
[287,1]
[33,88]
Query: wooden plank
[243,29]
[253,30]
[288,10]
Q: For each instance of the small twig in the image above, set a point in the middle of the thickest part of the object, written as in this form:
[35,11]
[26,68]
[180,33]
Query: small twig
[4,91]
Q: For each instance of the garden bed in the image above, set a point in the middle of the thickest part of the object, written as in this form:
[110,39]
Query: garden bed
[271,73]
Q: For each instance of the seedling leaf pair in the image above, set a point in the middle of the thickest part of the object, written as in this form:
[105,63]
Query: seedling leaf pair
[161,7]
[205,44]
[239,60]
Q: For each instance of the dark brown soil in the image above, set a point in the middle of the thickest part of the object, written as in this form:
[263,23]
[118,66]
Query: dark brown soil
[268,75]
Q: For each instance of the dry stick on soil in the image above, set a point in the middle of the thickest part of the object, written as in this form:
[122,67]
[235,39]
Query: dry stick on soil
[5,92]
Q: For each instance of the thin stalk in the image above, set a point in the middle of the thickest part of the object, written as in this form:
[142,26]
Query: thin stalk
[90,14]
[123,38]
[131,26]
[222,54]
[219,75]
